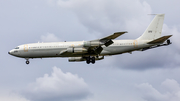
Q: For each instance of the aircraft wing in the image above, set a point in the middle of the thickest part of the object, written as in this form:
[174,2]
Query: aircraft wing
[108,40]
[95,45]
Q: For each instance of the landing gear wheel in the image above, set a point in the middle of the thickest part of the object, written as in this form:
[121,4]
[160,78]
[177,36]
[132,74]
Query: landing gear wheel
[93,60]
[88,60]
[27,62]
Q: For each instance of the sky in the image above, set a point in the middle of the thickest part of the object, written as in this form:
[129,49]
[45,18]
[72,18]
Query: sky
[151,75]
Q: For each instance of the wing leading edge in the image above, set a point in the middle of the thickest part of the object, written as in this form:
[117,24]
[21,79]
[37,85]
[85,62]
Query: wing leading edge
[113,36]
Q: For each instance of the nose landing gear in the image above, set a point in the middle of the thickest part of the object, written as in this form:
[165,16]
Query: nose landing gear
[27,61]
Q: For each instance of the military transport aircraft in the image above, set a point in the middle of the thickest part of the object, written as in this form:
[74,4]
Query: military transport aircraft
[93,50]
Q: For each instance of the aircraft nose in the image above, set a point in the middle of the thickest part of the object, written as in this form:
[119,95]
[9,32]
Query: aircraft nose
[9,52]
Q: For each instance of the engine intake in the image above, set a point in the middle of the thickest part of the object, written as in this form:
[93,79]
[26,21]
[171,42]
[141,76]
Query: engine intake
[77,50]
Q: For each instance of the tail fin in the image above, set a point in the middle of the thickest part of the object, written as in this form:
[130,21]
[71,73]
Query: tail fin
[154,29]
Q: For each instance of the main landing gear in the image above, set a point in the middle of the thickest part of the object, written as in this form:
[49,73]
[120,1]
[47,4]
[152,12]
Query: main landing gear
[90,60]
[27,61]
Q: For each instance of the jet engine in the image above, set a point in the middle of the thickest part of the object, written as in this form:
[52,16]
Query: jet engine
[78,59]
[74,59]
[77,50]
[92,43]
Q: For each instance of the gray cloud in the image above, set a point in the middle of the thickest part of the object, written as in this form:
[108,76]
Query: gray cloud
[11,96]
[106,17]
[58,86]
[49,37]
[171,91]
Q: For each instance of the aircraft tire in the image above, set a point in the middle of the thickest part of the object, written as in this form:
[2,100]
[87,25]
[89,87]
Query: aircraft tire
[88,60]
[27,62]
[93,60]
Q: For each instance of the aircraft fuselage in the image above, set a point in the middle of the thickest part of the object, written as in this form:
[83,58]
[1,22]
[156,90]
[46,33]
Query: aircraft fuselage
[53,49]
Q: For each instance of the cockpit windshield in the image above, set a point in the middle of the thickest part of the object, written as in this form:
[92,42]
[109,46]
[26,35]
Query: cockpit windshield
[17,48]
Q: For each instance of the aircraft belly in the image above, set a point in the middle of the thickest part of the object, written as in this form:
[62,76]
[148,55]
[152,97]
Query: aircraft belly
[112,50]
[115,50]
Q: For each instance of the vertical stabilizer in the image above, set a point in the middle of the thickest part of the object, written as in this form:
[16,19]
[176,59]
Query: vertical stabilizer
[154,29]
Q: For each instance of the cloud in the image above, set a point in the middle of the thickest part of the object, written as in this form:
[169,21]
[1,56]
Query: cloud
[51,2]
[10,96]
[171,91]
[173,30]
[58,86]
[49,37]
[171,85]
[106,17]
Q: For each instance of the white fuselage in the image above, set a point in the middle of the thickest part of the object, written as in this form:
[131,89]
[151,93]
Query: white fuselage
[53,49]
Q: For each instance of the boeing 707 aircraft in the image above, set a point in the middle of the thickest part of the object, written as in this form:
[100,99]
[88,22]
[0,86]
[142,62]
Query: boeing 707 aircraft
[93,50]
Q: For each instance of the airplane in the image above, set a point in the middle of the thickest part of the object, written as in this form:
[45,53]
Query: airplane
[93,50]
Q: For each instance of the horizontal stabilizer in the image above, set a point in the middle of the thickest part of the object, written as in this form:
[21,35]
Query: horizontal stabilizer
[160,40]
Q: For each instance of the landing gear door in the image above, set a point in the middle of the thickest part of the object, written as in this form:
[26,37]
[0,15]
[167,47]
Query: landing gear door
[25,48]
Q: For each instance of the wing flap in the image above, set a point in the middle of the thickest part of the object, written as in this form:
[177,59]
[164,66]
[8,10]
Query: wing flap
[160,40]
[109,42]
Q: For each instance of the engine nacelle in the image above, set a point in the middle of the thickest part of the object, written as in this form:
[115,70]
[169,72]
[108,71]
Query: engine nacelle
[92,43]
[74,59]
[78,59]
[76,50]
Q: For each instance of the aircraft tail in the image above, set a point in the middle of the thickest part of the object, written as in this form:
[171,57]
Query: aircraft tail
[154,30]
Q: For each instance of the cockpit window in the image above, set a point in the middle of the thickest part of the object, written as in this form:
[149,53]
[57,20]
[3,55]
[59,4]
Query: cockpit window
[17,48]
